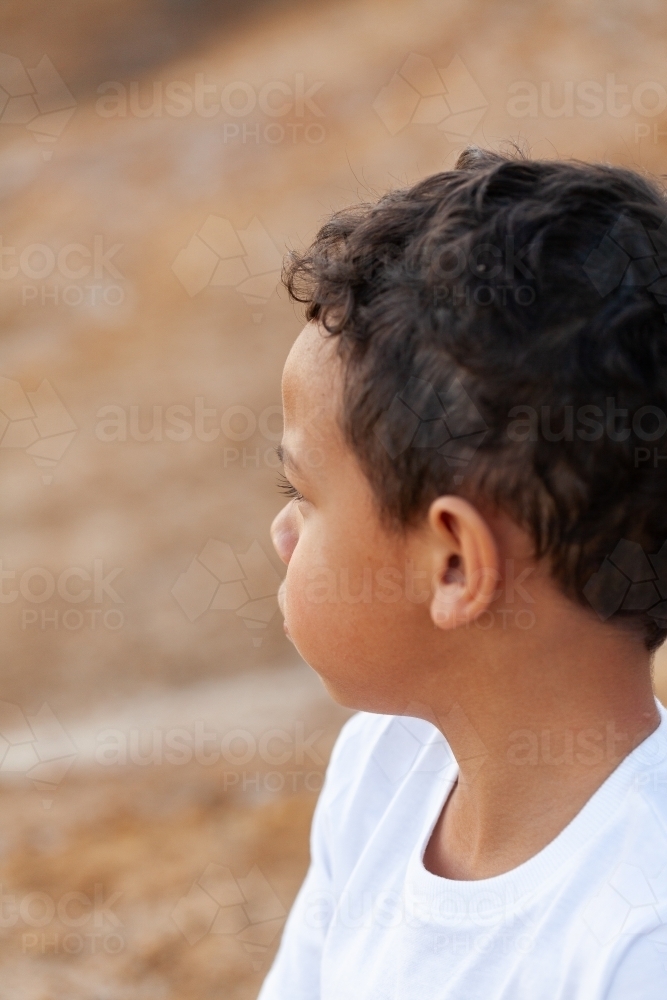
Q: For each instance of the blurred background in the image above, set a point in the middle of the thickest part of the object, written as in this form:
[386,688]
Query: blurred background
[161,745]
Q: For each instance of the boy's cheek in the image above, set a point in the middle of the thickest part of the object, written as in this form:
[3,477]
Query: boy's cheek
[292,592]
[308,618]
[342,643]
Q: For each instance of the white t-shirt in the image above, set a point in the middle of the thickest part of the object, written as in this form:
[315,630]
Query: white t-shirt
[585,919]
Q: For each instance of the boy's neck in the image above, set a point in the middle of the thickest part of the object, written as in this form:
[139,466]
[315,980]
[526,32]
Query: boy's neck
[535,731]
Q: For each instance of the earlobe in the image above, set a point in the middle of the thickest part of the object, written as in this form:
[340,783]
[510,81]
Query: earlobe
[466,556]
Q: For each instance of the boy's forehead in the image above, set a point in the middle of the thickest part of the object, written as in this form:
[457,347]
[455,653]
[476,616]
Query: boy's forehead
[311,376]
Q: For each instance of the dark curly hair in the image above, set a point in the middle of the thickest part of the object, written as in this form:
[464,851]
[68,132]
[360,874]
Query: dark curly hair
[503,332]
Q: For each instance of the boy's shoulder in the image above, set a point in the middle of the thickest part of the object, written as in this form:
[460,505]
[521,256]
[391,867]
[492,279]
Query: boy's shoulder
[386,748]
[649,762]
[391,746]
[372,759]
[374,763]
[376,755]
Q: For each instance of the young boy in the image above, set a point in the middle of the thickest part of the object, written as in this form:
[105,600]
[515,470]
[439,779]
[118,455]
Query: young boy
[475,455]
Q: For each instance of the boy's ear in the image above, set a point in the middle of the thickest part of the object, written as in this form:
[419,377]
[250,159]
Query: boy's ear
[466,562]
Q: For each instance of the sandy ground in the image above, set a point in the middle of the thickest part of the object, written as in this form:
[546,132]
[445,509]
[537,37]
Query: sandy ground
[116,881]
[131,499]
[129,659]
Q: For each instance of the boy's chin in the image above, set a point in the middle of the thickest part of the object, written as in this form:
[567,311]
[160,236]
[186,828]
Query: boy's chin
[342,694]
[346,692]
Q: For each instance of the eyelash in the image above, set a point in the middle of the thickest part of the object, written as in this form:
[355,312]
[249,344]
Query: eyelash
[286,487]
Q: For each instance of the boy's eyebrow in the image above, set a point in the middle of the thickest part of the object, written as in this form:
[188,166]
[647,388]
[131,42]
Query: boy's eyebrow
[287,459]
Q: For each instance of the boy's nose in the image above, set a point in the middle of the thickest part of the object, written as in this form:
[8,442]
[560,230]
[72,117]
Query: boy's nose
[283,533]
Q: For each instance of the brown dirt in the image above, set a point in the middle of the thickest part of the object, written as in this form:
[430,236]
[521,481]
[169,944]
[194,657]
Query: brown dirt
[147,507]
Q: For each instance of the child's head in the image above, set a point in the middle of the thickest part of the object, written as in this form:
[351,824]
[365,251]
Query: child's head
[478,400]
